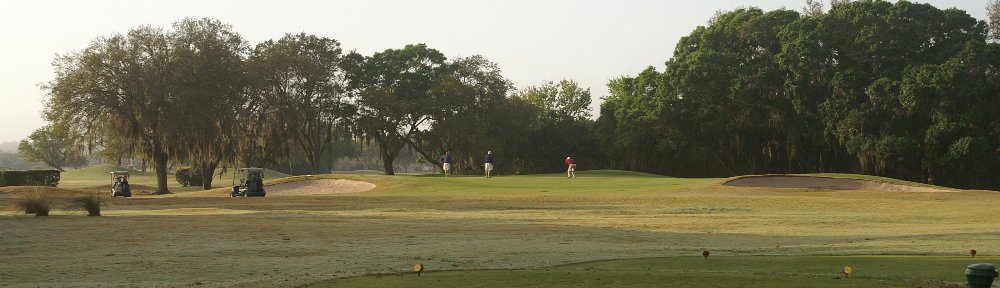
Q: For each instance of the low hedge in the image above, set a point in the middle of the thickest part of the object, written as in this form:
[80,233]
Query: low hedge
[188,176]
[30,178]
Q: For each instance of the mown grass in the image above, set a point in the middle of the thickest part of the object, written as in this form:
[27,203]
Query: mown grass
[726,271]
[97,179]
[522,223]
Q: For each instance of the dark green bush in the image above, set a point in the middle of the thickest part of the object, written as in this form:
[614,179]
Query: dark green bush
[188,176]
[30,178]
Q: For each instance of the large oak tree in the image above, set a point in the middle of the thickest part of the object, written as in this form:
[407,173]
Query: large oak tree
[394,95]
[166,95]
[53,146]
[299,93]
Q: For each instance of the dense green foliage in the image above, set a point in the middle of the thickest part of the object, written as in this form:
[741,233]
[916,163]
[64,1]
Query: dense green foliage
[297,87]
[52,146]
[900,90]
[29,178]
[396,93]
[164,95]
[903,90]
[197,95]
[207,85]
[188,176]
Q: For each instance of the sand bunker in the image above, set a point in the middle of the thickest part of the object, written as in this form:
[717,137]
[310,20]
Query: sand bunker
[825,183]
[318,187]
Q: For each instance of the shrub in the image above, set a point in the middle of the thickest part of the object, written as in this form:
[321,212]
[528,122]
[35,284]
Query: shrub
[188,176]
[30,178]
[43,178]
[34,203]
[92,204]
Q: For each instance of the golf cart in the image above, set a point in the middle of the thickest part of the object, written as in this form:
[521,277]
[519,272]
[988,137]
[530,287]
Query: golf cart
[251,183]
[119,184]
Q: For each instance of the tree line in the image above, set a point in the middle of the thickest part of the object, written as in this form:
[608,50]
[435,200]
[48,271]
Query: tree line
[199,94]
[903,90]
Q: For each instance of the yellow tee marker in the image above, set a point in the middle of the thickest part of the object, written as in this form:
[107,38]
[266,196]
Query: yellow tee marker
[847,271]
[418,268]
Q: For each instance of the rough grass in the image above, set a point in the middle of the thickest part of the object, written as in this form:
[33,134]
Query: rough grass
[90,203]
[35,203]
[16,191]
[524,223]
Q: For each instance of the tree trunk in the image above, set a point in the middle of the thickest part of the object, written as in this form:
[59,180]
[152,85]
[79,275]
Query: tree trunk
[430,158]
[387,165]
[160,160]
[314,163]
[388,157]
[208,173]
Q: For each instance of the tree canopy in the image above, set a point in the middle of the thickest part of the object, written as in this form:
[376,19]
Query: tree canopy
[870,87]
[894,89]
[54,147]
[299,92]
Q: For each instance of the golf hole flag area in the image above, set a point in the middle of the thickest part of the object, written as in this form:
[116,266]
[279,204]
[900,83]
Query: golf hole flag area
[601,229]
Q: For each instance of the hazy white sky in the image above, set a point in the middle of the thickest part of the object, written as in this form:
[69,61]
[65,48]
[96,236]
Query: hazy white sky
[589,41]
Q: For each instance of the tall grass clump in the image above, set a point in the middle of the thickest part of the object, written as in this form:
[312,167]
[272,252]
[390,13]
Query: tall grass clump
[92,204]
[34,203]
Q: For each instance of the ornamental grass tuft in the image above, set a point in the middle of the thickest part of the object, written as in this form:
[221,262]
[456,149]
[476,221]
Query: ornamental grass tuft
[34,203]
[92,204]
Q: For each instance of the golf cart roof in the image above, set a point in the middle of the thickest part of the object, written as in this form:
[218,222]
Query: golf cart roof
[119,172]
[253,169]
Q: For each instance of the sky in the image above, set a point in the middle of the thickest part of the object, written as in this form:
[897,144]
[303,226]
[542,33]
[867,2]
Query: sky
[588,41]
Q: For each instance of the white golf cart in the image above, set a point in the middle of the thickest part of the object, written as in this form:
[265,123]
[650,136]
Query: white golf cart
[119,184]
[251,183]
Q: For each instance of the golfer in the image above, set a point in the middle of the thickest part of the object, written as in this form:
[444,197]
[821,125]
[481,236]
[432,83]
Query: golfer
[488,163]
[570,168]
[447,160]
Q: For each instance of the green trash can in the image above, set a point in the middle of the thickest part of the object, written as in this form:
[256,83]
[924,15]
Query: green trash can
[981,275]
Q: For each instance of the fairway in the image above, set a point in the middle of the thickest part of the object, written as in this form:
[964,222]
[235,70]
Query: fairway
[506,228]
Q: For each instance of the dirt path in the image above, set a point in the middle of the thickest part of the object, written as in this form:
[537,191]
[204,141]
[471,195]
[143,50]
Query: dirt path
[825,183]
[318,187]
